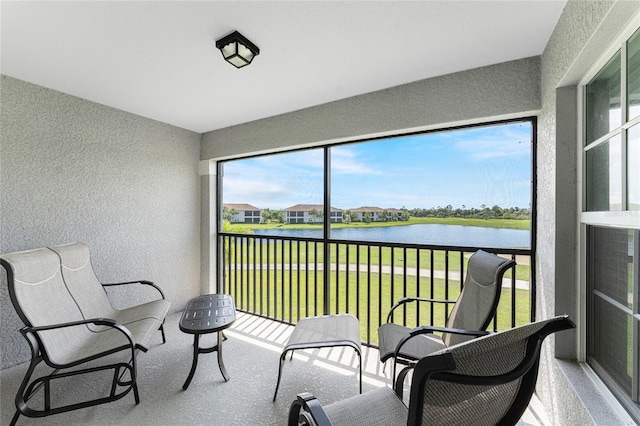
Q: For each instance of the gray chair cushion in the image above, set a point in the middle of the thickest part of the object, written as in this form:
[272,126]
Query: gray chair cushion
[380,407]
[82,282]
[479,296]
[90,296]
[390,334]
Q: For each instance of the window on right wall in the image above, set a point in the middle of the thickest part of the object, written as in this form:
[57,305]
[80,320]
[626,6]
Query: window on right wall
[610,218]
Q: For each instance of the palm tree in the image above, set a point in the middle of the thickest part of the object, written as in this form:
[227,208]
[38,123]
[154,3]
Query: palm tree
[228,213]
[317,214]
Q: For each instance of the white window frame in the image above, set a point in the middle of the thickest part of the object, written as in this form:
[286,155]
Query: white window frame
[621,219]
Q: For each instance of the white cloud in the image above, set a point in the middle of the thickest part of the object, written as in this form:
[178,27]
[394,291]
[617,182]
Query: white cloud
[509,143]
[344,161]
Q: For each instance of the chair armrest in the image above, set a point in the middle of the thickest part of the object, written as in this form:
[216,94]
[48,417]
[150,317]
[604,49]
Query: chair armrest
[29,332]
[310,404]
[143,282]
[406,300]
[97,321]
[427,329]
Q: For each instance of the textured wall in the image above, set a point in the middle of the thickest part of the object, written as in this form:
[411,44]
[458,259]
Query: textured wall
[128,187]
[501,90]
[585,30]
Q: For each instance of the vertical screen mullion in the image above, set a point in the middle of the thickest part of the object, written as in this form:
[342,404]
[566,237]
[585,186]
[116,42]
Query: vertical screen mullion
[635,392]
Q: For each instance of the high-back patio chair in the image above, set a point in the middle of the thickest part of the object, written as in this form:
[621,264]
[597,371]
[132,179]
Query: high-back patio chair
[470,316]
[485,381]
[68,327]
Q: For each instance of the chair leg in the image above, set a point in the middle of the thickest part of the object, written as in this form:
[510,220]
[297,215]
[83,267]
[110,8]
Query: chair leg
[360,359]
[394,371]
[118,381]
[282,358]
[398,385]
[26,390]
[14,420]
[136,395]
[164,339]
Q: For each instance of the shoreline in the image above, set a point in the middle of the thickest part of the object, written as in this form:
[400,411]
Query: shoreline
[486,223]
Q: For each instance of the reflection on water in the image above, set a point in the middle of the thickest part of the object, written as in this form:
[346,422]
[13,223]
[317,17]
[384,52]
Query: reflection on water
[451,235]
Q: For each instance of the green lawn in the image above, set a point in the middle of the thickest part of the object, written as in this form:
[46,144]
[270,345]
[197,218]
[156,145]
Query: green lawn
[295,253]
[291,294]
[266,278]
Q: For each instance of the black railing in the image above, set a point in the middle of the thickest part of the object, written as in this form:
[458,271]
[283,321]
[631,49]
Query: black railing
[285,279]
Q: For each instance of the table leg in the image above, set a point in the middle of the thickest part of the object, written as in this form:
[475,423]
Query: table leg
[223,370]
[196,345]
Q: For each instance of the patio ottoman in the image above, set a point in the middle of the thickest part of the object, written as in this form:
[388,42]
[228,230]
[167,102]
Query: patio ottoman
[323,332]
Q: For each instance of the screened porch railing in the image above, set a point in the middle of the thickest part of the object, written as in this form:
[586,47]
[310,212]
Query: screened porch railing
[287,278]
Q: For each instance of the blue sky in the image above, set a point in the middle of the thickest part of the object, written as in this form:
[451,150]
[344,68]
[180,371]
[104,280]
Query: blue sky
[470,167]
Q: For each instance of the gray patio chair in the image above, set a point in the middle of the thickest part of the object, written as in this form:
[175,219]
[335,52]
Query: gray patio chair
[485,381]
[470,316]
[69,324]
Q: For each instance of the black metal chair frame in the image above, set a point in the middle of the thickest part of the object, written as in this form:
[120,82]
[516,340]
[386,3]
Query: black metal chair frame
[120,386]
[28,389]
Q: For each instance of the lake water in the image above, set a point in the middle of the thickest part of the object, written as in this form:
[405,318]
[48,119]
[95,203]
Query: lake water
[451,235]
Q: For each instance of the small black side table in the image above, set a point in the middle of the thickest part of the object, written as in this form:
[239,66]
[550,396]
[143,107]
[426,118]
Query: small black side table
[209,313]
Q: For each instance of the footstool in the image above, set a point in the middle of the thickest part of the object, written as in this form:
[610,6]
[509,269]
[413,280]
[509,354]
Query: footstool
[323,332]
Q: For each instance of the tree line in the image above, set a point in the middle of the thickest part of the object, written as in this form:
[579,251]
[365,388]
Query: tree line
[484,212]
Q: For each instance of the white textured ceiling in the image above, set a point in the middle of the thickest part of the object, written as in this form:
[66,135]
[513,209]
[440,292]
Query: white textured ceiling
[158,59]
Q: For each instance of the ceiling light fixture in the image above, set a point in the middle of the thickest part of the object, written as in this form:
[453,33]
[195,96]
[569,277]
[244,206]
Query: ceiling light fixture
[237,49]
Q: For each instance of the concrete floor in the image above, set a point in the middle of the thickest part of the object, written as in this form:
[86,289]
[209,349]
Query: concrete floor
[251,356]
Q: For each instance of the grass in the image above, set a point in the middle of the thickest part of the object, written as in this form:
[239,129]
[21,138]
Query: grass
[301,253]
[292,295]
[284,291]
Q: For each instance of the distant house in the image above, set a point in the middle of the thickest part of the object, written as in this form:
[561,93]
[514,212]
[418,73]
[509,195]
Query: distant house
[310,213]
[395,214]
[244,213]
[373,214]
[376,214]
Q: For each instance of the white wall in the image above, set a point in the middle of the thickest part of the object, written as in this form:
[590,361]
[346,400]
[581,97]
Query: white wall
[585,30]
[128,187]
[496,91]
